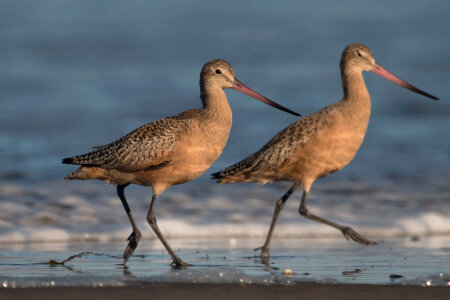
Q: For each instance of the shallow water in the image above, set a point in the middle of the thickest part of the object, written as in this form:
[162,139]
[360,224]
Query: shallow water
[77,211]
[393,261]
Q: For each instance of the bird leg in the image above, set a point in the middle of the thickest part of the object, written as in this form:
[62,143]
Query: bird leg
[348,232]
[135,236]
[265,249]
[176,261]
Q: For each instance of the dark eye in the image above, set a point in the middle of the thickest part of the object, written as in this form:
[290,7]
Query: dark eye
[359,54]
[218,71]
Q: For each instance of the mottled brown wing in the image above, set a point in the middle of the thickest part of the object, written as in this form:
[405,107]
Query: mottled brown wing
[143,148]
[275,153]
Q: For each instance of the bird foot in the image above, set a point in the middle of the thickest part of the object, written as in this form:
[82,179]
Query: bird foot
[265,251]
[133,241]
[179,264]
[349,233]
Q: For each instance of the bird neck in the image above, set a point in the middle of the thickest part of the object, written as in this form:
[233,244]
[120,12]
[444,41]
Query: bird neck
[355,89]
[355,105]
[215,103]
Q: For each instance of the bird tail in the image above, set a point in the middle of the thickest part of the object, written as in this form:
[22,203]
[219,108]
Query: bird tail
[84,172]
[80,173]
[68,160]
[238,172]
[88,172]
[85,159]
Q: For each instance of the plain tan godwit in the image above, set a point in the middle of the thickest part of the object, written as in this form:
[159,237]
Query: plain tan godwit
[317,145]
[169,151]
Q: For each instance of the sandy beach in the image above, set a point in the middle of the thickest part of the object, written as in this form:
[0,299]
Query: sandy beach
[232,291]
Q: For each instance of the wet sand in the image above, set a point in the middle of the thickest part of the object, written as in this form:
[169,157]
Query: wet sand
[231,291]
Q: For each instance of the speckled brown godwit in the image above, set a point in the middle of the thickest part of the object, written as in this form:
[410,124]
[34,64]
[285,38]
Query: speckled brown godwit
[169,151]
[317,145]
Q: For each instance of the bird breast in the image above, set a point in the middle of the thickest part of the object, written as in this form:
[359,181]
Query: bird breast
[334,144]
[198,148]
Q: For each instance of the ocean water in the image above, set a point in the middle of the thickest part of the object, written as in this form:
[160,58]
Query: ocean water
[75,74]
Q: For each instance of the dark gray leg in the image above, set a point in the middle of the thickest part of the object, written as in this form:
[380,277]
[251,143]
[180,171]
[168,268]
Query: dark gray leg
[152,221]
[265,249]
[348,232]
[133,239]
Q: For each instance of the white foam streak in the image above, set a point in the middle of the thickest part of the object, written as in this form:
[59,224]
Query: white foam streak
[59,213]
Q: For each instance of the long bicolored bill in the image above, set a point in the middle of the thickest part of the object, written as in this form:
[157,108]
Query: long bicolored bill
[389,76]
[239,86]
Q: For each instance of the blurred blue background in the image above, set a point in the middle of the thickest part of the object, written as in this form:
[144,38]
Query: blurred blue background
[74,74]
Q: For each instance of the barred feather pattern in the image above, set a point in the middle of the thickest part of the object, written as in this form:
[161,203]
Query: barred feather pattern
[278,150]
[143,148]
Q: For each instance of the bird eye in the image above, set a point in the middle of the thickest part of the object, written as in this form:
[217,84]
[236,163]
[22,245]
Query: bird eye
[359,54]
[218,71]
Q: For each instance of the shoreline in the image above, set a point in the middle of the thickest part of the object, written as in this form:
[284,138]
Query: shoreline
[315,291]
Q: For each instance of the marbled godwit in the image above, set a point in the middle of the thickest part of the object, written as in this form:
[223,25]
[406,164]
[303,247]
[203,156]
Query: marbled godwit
[317,145]
[169,151]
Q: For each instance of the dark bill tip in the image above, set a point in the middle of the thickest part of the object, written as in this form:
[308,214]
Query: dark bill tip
[391,77]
